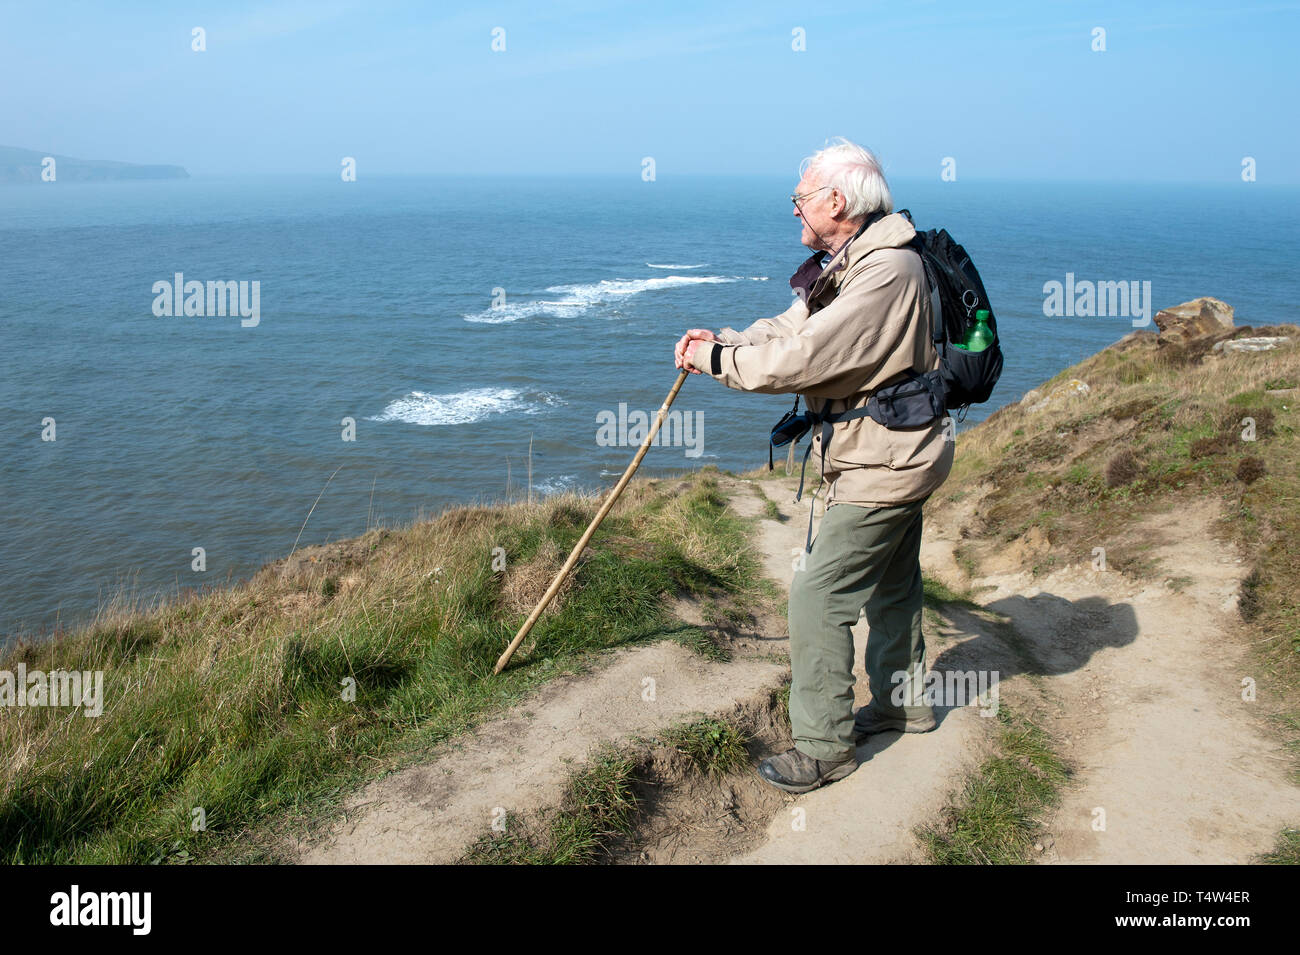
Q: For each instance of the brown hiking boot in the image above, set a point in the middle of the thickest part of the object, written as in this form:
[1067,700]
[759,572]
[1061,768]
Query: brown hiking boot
[796,773]
[868,721]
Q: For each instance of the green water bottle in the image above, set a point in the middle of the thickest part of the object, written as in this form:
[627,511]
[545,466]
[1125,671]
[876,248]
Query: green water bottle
[980,336]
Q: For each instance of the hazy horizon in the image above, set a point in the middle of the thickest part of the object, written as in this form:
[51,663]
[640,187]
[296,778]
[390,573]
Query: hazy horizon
[893,178]
[1180,93]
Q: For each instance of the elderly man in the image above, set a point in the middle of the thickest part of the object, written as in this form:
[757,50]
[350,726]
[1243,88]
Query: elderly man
[861,321]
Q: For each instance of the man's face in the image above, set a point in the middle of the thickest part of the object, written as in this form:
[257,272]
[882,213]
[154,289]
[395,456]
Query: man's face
[814,211]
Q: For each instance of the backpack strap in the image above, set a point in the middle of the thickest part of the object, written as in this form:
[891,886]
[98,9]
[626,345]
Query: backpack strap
[938,330]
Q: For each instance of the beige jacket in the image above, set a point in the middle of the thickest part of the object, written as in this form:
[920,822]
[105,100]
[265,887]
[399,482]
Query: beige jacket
[867,323]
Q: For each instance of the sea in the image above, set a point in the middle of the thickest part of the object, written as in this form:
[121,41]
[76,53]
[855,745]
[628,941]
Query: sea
[407,344]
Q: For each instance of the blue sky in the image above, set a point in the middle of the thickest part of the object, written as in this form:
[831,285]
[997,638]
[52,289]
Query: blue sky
[1183,91]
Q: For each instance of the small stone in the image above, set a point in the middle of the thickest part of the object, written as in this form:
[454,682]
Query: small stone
[1074,388]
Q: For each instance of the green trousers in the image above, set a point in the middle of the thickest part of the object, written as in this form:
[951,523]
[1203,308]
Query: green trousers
[862,557]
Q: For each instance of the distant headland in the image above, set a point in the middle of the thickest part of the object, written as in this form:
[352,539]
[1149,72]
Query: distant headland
[31,165]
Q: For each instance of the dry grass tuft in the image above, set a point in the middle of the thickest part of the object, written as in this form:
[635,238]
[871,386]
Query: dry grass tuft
[525,583]
[1250,470]
[1122,469]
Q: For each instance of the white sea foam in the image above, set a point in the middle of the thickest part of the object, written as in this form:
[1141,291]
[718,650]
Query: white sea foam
[555,485]
[579,298]
[655,266]
[611,289]
[463,407]
[513,311]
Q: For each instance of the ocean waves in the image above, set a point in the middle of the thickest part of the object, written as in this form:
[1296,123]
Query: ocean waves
[577,299]
[464,407]
[513,311]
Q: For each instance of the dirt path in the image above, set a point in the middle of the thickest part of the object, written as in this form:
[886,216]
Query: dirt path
[1139,681]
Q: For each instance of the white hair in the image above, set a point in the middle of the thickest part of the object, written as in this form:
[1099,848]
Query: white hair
[855,172]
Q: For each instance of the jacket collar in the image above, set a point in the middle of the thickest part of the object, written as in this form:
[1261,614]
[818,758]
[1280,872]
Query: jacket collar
[878,231]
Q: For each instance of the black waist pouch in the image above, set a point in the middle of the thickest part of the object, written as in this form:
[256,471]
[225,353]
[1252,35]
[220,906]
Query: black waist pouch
[913,403]
[792,426]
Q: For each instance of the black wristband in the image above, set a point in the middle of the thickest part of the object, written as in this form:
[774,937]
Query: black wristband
[715,360]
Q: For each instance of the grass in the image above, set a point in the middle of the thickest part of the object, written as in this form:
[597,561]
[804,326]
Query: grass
[715,746]
[600,802]
[700,642]
[266,702]
[965,560]
[995,819]
[1146,429]
[1153,431]
[1286,851]
[937,594]
[598,805]
[770,510]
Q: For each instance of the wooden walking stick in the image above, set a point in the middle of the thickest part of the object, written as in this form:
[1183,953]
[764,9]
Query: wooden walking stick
[591,528]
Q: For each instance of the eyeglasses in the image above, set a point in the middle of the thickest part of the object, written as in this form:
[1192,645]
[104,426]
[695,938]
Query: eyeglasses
[795,199]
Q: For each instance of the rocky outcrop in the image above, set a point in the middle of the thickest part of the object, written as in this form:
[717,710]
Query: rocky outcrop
[1200,318]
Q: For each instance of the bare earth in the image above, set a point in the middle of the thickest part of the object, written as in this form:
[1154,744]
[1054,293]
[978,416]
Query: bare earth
[520,761]
[1141,682]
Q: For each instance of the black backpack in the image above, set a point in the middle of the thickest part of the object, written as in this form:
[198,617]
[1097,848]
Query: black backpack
[968,377]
